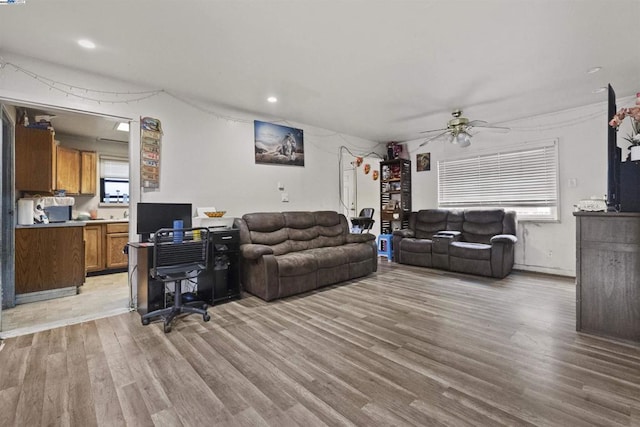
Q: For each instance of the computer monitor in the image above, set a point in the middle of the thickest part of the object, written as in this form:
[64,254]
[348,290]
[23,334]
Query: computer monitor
[153,216]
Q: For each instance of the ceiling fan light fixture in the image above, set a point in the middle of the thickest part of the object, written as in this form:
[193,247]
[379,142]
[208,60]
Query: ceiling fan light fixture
[462,139]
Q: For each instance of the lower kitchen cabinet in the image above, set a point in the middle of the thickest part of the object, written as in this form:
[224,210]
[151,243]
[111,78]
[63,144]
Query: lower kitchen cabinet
[94,243]
[117,236]
[104,246]
[48,258]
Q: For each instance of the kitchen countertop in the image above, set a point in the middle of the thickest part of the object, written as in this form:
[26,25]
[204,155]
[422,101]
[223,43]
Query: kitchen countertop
[74,223]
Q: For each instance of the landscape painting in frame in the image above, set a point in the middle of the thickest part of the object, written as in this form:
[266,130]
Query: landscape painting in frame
[278,145]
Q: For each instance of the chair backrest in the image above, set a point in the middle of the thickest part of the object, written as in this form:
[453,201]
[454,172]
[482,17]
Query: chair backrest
[366,212]
[179,253]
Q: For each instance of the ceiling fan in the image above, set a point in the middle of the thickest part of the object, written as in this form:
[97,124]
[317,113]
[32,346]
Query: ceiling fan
[459,129]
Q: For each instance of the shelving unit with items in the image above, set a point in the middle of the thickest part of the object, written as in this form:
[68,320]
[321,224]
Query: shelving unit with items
[395,195]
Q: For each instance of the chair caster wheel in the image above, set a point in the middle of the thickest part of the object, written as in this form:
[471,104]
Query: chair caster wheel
[205,306]
[145,322]
[206,317]
[167,328]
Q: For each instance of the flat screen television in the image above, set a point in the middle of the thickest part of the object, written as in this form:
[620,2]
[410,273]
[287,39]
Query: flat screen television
[613,156]
[151,217]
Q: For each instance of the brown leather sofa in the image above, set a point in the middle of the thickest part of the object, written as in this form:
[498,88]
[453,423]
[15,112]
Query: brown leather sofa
[471,241]
[287,253]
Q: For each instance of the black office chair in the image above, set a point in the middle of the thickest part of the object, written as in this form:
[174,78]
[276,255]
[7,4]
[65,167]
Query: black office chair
[179,254]
[364,222]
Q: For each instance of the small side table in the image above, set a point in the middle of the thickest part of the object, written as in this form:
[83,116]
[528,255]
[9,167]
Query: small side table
[385,246]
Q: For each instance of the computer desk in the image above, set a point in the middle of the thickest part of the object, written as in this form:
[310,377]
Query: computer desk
[219,283]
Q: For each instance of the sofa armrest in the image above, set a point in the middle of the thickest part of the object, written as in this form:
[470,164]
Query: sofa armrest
[360,237]
[404,233]
[254,251]
[448,233]
[504,238]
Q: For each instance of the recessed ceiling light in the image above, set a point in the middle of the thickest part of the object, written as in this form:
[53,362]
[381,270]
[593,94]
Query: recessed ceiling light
[593,70]
[272,99]
[123,126]
[599,90]
[87,44]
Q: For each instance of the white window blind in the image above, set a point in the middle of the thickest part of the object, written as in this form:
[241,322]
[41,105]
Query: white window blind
[114,168]
[524,180]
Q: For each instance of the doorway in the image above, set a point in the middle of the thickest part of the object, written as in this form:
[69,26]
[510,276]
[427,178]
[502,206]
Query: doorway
[101,295]
[6,210]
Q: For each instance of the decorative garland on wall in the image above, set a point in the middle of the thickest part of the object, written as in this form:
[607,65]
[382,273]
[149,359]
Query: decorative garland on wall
[116,97]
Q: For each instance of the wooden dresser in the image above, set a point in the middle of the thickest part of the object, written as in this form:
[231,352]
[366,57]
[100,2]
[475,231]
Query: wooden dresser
[608,274]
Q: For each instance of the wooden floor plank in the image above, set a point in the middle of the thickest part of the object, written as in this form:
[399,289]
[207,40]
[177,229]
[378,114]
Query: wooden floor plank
[404,346]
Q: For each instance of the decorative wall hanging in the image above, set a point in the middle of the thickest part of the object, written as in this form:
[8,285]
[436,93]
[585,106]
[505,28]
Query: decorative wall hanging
[367,168]
[279,145]
[375,175]
[150,139]
[423,162]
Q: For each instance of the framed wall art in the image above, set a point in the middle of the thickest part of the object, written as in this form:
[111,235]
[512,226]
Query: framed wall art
[423,162]
[278,145]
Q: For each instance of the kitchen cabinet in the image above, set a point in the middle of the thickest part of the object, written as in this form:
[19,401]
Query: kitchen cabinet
[104,244]
[35,160]
[43,166]
[88,172]
[48,259]
[68,170]
[94,243]
[117,236]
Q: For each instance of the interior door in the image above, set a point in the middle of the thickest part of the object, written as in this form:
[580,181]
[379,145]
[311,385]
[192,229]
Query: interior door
[7,200]
[348,207]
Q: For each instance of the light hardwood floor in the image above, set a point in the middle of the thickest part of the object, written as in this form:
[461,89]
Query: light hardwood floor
[100,296]
[405,346]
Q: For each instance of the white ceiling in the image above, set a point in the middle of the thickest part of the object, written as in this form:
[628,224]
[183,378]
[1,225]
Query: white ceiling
[382,70]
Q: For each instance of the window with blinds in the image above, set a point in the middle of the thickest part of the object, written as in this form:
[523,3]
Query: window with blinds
[114,180]
[523,180]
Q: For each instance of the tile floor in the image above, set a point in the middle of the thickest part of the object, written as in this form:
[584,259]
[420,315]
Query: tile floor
[100,296]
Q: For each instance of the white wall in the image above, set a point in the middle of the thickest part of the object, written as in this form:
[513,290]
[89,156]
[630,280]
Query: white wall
[206,160]
[582,135]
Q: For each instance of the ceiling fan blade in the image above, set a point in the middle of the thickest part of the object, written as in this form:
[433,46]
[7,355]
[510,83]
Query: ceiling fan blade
[428,140]
[481,124]
[434,130]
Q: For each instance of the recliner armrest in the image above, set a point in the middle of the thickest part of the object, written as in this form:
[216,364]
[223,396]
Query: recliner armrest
[360,237]
[448,233]
[255,251]
[404,233]
[504,238]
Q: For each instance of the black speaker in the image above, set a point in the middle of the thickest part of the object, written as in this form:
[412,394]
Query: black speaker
[630,186]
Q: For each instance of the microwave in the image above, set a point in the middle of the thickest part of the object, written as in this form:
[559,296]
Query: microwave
[58,213]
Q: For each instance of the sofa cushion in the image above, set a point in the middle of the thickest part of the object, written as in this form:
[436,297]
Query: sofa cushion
[329,257]
[480,225]
[416,245]
[357,252]
[428,222]
[296,264]
[470,250]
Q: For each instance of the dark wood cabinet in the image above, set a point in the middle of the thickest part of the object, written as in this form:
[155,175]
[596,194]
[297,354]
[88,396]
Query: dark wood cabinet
[49,258]
[608,274]
[35,160]
[395,194]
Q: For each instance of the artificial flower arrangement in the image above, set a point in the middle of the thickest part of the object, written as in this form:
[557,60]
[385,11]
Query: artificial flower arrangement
[634,114]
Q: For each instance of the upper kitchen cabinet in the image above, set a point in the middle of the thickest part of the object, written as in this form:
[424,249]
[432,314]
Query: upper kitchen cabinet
[35,159]
[68,170]
[44,166]
[88,172]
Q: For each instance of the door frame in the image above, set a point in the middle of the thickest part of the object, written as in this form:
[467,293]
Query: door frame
[7,211]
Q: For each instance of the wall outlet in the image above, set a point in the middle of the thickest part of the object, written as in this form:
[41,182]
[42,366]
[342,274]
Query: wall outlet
[285,197]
